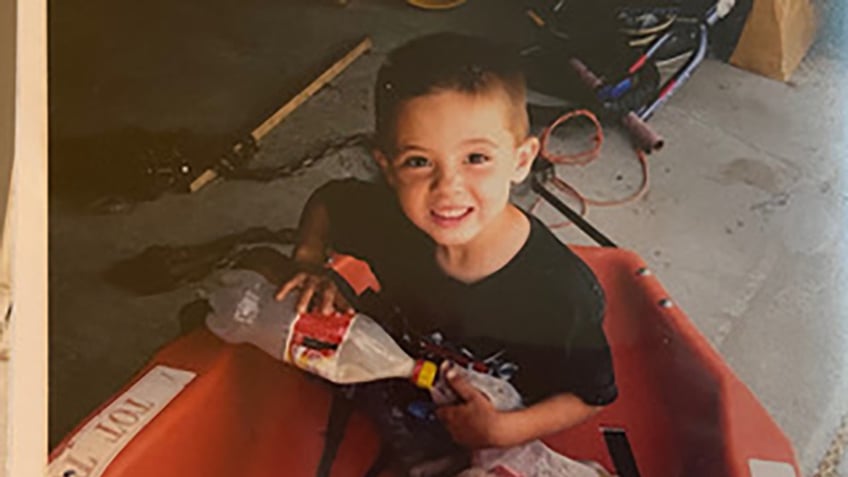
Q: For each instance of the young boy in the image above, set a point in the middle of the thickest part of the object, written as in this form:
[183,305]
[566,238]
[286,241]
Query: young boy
[485,284]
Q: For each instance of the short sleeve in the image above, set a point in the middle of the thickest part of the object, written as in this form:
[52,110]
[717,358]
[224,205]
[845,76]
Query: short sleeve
[591,375]
[366,222]
[582,366]
[359,216]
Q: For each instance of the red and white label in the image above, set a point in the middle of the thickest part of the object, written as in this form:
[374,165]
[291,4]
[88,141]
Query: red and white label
[314,340]
[90,451]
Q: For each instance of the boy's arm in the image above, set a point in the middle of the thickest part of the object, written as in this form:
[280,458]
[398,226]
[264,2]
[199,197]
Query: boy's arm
[340,216]
[313,233]
[542,419]
[476,423]
[310,253]
[337,217]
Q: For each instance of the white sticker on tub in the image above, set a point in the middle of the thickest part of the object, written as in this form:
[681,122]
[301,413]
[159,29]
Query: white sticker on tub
[770,468]
[90,451]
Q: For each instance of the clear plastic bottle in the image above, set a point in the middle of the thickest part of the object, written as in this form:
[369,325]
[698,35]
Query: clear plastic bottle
[342,347]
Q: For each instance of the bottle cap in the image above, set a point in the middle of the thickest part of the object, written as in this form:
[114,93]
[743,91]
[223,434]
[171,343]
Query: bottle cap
[424,374]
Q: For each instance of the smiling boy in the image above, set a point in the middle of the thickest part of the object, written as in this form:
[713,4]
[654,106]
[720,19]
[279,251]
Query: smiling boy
[478,280]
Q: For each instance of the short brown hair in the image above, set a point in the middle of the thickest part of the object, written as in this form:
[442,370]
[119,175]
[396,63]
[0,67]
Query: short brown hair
[446,62]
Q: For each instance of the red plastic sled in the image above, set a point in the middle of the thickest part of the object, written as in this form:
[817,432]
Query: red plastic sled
[683,411]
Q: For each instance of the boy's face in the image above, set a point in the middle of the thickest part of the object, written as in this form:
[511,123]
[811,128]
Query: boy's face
[455,158]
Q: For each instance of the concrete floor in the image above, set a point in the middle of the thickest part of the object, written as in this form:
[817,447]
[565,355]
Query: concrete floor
[742,222]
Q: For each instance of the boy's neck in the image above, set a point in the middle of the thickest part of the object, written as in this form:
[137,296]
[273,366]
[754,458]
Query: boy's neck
[490,251]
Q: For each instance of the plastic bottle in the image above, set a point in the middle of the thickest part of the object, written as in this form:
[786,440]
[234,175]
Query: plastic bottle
[343,348]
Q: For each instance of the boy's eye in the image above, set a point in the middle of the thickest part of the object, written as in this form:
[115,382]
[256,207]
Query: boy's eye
[477,158]
[415,161]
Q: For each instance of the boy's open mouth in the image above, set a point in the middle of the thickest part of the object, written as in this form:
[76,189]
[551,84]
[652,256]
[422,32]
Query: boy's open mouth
[448,217]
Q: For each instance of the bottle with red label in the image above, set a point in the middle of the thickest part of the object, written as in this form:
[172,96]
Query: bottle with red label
[343,348]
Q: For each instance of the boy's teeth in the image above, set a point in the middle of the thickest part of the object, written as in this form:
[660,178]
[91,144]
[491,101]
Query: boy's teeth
[451,214]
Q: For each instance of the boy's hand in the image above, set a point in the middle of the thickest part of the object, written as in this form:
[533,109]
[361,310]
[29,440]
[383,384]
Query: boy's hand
[315,287]
[474,423]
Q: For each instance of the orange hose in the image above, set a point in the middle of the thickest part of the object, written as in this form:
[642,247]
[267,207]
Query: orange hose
[581,159]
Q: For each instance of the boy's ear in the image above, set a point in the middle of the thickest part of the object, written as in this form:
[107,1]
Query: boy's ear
[383,162]
[527,151]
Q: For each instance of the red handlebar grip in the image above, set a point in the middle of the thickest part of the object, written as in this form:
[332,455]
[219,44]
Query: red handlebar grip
[642,135]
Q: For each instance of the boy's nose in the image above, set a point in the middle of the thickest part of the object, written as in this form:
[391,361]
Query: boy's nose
[446,179]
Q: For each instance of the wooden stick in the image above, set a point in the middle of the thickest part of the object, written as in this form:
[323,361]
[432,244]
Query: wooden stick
[206,177]
[328,75]
[313,87]
[536,18]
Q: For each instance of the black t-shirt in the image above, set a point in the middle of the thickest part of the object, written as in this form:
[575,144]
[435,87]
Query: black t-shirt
[536,321]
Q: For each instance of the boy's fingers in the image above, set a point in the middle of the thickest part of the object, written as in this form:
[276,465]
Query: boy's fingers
[462,386]
[444,413]
[310,284]
[328,299]
[342,304]
[289,286]
[305,298]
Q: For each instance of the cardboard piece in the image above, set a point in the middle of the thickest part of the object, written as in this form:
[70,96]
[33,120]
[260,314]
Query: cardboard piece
[776,37]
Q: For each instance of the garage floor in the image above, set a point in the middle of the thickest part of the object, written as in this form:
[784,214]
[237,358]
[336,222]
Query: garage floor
[742,222]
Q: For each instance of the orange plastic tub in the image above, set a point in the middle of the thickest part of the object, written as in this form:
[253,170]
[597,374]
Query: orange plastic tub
[681,408]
